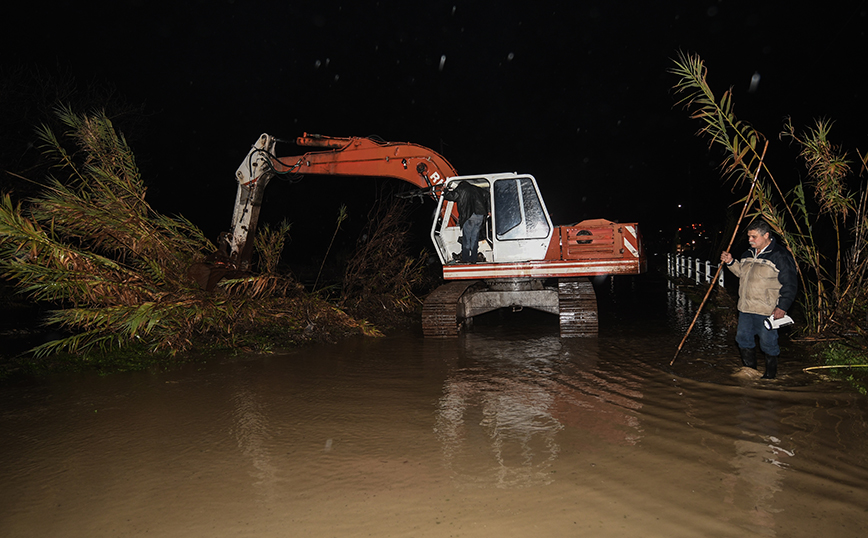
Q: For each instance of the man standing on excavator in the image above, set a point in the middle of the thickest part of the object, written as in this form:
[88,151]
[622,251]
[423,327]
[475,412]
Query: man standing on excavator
[472,209]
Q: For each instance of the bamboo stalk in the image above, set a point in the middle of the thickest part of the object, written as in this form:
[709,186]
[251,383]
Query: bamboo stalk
[834,366]
[713,282]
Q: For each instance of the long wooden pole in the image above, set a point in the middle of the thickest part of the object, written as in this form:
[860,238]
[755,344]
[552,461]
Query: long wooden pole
[720,266]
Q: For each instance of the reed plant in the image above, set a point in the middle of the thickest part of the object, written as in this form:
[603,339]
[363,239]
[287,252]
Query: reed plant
[833,274]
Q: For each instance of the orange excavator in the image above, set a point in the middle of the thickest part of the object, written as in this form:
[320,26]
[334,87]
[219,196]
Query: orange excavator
[525,261]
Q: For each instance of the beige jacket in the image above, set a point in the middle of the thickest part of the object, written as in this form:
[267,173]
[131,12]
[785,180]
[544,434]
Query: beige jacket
[767,280]
[759,288]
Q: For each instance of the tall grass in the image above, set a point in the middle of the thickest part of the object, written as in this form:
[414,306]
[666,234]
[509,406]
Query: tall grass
[115,271]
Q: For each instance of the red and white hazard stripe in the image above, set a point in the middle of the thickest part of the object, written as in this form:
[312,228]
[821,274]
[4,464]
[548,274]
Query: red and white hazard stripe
[631,240]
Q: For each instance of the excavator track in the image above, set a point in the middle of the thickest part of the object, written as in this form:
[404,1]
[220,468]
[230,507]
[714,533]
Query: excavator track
[440,311]
[577,304]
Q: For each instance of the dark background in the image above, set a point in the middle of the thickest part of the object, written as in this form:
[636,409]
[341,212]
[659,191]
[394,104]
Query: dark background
[575,93]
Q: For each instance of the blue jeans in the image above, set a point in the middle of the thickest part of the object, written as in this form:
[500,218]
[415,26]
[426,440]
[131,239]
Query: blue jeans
[750,325]
[470,238]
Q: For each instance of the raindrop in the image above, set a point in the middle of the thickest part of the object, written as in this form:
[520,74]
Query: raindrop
[442,61]
[317,64]
[509,57]
[754,82]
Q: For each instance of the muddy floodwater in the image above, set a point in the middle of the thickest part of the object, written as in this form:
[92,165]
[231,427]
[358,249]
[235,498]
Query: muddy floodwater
[509,431]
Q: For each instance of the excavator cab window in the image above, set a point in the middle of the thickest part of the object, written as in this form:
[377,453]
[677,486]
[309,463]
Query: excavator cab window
[518,213]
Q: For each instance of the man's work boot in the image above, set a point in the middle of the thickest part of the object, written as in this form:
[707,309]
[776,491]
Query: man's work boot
[748,356]
[771,367]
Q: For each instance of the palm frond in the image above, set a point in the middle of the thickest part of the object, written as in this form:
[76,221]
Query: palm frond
[116,271]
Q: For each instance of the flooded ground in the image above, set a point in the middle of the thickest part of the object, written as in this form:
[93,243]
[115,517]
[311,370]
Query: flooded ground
[508,431]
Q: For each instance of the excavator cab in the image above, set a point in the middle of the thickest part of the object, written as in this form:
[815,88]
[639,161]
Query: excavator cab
[517,229]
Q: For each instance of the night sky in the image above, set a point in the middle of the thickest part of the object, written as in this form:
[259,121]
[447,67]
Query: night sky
[575,93]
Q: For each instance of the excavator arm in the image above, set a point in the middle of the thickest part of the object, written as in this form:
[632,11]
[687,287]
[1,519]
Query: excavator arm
[351,157]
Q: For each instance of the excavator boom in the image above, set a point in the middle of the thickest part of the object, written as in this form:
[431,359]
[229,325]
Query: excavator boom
[351,157]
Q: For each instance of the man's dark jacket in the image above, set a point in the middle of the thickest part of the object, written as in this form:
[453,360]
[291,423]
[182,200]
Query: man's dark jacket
[471,200]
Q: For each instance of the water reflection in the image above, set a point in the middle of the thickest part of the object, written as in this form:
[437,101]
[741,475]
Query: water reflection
[744,441]
[759,461]
[513,417]
[682,310]
[250,427]
[514,396]
[757,475]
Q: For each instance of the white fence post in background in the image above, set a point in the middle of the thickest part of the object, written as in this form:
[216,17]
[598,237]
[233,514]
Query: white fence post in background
[692,269]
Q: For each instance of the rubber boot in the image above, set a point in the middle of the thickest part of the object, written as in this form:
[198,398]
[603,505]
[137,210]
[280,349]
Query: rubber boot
[771,367]
[748,356]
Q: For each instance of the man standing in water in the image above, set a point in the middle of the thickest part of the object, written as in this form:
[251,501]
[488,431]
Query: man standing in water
[767,287]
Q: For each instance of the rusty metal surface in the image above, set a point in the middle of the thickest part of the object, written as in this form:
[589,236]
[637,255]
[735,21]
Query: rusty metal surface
[440,311]
[577,303]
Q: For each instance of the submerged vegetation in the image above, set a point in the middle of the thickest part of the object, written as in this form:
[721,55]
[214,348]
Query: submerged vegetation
[114,273]
[820,219]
